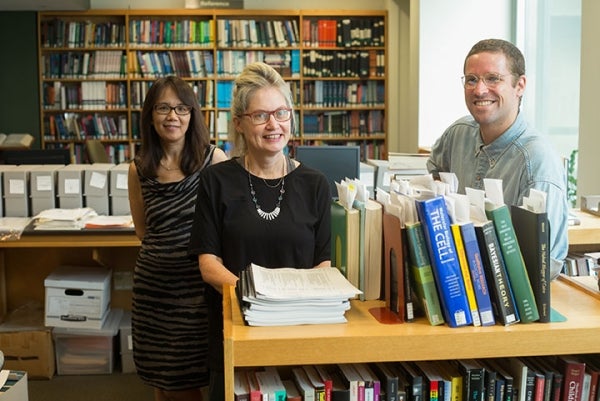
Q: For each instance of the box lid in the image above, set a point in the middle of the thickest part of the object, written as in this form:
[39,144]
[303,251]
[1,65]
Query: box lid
[110,328]
[80,277]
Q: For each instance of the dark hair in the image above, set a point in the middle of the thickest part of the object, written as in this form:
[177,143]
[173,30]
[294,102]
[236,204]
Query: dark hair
[197,137]
[255,76]
[516,61]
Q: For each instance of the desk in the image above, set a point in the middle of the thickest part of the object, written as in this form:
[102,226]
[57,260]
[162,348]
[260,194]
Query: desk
[25,263]
[585,236]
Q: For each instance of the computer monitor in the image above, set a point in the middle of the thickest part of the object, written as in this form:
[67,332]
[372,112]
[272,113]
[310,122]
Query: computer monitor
[335,162]
[35,156]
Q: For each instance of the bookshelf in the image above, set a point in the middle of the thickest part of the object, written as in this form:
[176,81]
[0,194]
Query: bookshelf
[364,339]
[96,66]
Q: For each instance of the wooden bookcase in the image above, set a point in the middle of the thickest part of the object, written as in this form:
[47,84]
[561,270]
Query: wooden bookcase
[365,339]
[96,66]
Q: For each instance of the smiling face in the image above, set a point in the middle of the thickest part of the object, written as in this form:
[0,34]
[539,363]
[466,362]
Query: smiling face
[171,127]
[268,138]
[495,109]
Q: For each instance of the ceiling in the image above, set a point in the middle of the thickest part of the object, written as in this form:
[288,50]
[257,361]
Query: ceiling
[43,5]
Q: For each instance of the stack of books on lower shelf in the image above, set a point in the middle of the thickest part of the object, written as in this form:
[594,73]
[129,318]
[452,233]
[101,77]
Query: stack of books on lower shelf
[291,296]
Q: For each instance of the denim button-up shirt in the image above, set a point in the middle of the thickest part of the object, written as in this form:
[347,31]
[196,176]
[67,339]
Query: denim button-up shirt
[521,158]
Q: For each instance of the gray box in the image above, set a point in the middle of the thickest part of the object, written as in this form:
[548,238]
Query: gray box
[96,187]
[43,183]
[119,194]
[16,191]
[70,186]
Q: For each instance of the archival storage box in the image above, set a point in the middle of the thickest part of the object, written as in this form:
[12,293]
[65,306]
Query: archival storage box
[77,296]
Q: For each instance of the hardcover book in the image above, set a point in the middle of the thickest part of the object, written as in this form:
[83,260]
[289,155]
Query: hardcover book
[444,261]
[496,275]
[388,379]
[466,274]
[480,285]
[515,266]
[473,379]
[573,370]
[533,233]
[345,229]
[422,274]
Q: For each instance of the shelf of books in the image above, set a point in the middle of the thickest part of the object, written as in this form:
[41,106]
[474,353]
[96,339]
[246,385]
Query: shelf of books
[365,339]
[96,66]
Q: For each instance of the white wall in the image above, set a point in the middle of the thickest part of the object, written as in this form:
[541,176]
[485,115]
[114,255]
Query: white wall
[448,30]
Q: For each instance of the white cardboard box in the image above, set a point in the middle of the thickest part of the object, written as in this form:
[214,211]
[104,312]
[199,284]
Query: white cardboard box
[77,296]
[15,388]
[70,186]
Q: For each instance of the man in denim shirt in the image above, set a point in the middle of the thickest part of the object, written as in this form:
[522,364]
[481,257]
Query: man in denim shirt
[496,142]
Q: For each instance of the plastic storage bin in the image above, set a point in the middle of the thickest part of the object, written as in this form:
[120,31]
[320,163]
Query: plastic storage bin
[87,351]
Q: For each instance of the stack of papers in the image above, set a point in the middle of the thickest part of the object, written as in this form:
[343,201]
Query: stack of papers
[289,296]
[63,219]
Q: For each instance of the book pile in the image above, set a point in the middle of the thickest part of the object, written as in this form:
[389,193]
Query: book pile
[289,296]
[63,219]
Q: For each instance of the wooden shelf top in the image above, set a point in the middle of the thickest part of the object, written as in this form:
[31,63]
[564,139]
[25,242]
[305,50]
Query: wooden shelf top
[587,232]
[75,239]
[364,339]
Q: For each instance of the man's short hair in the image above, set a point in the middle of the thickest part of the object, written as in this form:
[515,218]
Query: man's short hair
[516,61]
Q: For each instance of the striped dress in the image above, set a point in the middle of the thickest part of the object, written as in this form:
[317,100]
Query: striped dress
[169,315]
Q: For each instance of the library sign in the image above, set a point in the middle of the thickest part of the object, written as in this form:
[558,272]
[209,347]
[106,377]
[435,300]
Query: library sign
[214,3]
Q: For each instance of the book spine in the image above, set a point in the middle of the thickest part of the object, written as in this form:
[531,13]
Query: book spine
[496,275]
[446,268]
[466,274]
[573,373]
[533,235]
[517,273]
[480,285]
[424,282]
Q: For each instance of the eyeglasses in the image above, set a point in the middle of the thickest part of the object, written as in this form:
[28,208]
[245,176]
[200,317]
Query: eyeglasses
[180,109]
[489,80]
[281,114]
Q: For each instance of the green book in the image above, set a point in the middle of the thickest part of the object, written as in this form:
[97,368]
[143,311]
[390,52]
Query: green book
[424,281]
[515,266]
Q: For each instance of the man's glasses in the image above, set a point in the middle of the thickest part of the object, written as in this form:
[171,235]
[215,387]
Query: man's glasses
[262,117]
[489,80]
[180,109]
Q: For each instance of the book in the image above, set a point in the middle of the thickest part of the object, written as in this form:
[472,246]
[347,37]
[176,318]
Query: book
[345,229]
[548,377]
[315,380]
[444,261]
[270,384]
[372,382]
[422,274]
[435,382]
[490,378]
[480,285]
[326,378]
[533,234]
[353,381]
[573,370]
[241,388]
[388,379]
[466,273]
[370,248]
[255,393]
[501,295]
[506,376]
[592,367]
[523,378]
[473,379]
[513,260]
[393,256]
[548,364]
[416,386]
[450,372]
[305,387]
[291,391]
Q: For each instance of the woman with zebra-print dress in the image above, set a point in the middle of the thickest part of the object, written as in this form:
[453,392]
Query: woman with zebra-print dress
[169,317]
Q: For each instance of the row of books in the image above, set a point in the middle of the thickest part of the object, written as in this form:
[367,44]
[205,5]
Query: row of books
[343,32]
[466,270]
[67,126]
[76,34]
[343,63]
[343,123]
[174,33]
[257,33]
[343,93]
[185,64]
[582,264]
[232,62]
[543,378]
[85,95]
[95,64]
